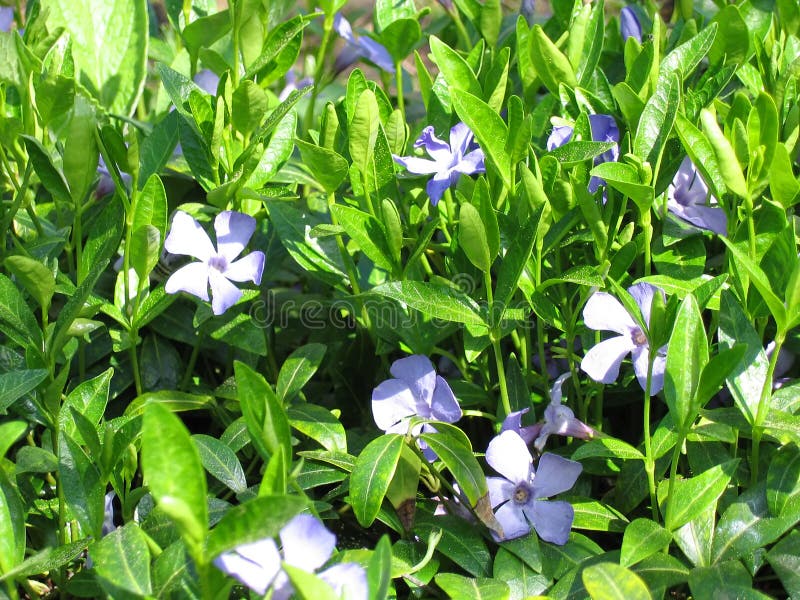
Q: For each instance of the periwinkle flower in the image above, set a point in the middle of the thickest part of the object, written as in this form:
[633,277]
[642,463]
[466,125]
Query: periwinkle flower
[519,495]
[604,129]
[6,17]
[604,312]
[560,420]
[207,80]
[292,84]
[105,185]
[629,24]
[217,267]
[689,200]
[359,47]
[307,545]
[449,162]
[416,391]
[527,8]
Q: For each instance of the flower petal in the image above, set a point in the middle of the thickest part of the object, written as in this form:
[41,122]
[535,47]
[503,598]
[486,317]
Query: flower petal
[234,230]
[437,149]
[191,278]
[247,268]
[342,26]
[460,139]
[603,312]
[472,163]
[392,401]
[348,580]
[555,391]
[643,294]
[512,520]
[508,455]
[560,135]
[552,520]
[555,474]
[438,184]
[223,293]
[376,53]
[307,544]
[500,490]
[629,24]
[186,236]
[418,374]
[255,565]
[416,165]
[641,356]
[444,405]
[602,362]
[711,218]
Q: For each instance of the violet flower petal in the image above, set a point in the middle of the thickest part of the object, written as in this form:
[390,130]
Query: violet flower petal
[643,294]
[307,544]
[348,580]
[342,27]
[603,312]
[444,405]
[418,373]
[376,53]
[207,80]
[640,357]
[186,236]
[191,278]
[460,139]
[234,230]
[512,520]
[392,401]
[416,165]
[508,454]
[437,185]
[437,149]
[223,293]
[629,24]
[552,520]
[472,163]
[560,135]
[554,475]
[255,565]
[500,490]
[247,268]
[6,17]
[602,362]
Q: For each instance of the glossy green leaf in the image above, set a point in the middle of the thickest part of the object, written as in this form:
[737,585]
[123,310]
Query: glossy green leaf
[327,166]
[688,55]
[732,39]
[692,496]
[594,515]
[221,462]
[461,542]
[609,581]
[151,207]
[687,355]
[784,559]
[783,482]
[576,152]
[458,586]
[319,424]
[368,233]
[80,148]
[15,313]
[264,414]
[658,116]
[642,538]
[625,178]
[379,573]
[15,384]
[472,237]
[455,70]
[372,474]
[401,37]
[695,537]
[81,484]
[702,154]
[728,578]
[363,130]
[716,372]
[550,63]
[89,399]
[461,463]
[174,473]
[607,447]
[52,178]
[12,525]
[729,166]
[10,432]
[34,276]
[122,562]
[433,300]
[307,586]
[513,264]
[298,369]
[47,560]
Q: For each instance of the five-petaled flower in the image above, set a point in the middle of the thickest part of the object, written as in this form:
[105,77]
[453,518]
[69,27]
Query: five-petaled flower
[689,200]
[217,267]
[307,545]
[604,312]
[416,391]
[518,495]
[449,162]
[359,47]
[604,129]
[629,24]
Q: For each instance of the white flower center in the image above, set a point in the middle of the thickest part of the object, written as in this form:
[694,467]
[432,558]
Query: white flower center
[218,262]
[522,493]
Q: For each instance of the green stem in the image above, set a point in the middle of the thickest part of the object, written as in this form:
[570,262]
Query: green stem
[463,36]
[327,27]
[763,407]
[647,226]
[494,335]
[649,463]
[187,375]
[398,71]
[673,475]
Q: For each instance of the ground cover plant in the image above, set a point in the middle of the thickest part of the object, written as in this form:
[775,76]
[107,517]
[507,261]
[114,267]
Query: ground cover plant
[404,299]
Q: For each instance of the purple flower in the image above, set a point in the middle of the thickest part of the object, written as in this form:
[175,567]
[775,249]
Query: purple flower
[527,8]
[689,200]
[306,545]
[629,24]
[292,84]
[105,185]
[517,495]
[449,162]
[359,47]
[217,267]
[6,17]
[560,420]
[207,81]
[605,313]
[604,129]
[513,422]
[416,391]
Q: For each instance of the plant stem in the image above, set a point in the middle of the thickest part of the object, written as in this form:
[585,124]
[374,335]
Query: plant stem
[763,406]
[649,463]
[673,475]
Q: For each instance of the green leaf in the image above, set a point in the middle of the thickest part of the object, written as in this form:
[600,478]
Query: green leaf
[12,525]
[695,537]
[157,148]
[731,45]
[363,130]
[89,399]
[249,104]
[81,484]
[307,586]
[151,207]
[688,55]
[607,447]
[279,39]
[221,462]
[298,369]
[716,372]
[461,542]
[575,152]
[642,538]
[655,123]
[472,237]
[625,179]
[460,461]
[401,37]
[328,167]
[122,562]
[172,400]
[785,561]
[702,154]
[264,414]
[367,232]
[687,355]
[10,432]
[109,46]
[319,424]
[433,300]
[174,473]
[728,579]
[36,278]
[609,581]
[80,149]
[458,586]
[783,482]
[372,474]
[513,264]
[52,179]
[455,70]
[489,129]
[729,166]
[251,521]
[145,250]
[550,64]
[204,31]
[379,573]
[15,384]
[595,516]
[746,381]
[48,559]
[523,580]
[692,496]
[22,327]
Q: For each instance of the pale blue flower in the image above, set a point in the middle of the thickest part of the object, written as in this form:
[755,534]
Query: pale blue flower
[604,312]
[629,24]
[6,17]
[689,200]
[307,545]
[359,47]
[604,129]
[450,161]
[518,496]
[217,267]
